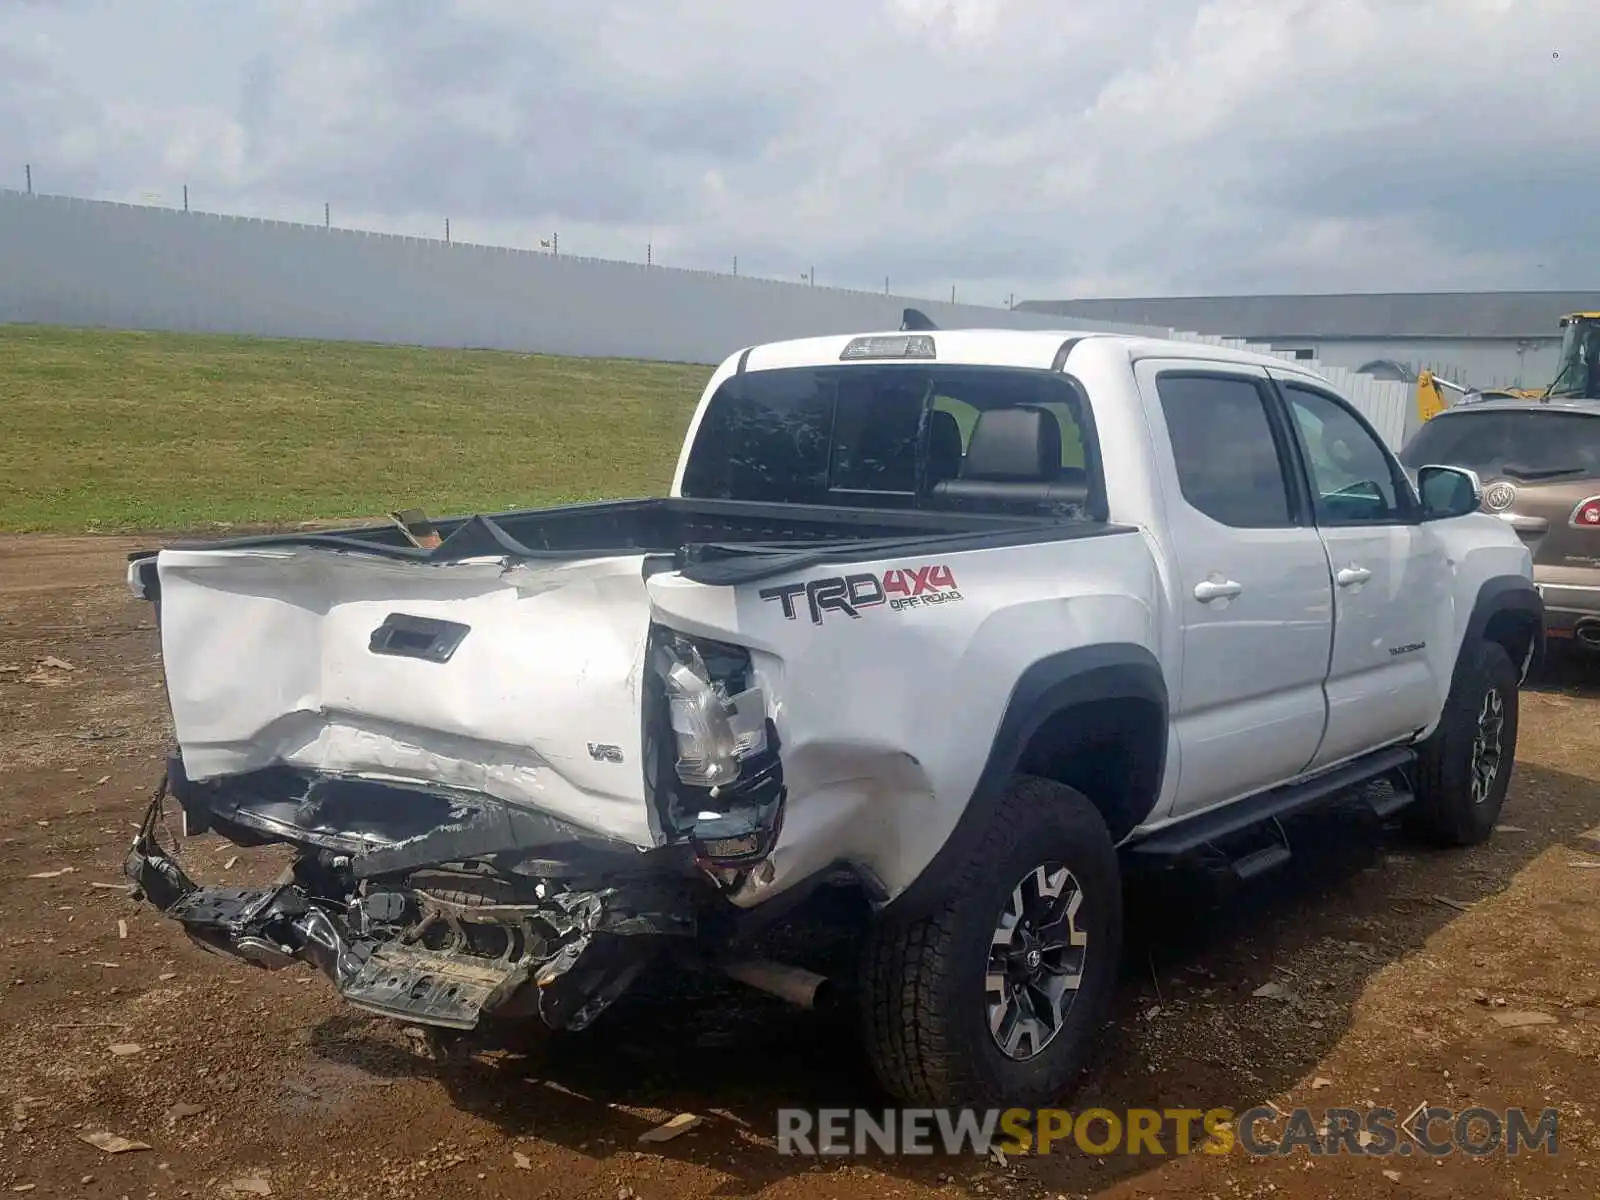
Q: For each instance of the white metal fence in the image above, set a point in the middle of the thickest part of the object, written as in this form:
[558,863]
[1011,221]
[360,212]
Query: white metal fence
[68,261]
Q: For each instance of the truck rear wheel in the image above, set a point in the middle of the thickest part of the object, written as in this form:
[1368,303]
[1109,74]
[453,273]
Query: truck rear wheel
[1464,767]
[994,998]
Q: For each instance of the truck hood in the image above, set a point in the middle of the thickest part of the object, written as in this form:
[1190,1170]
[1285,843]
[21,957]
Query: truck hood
[521,681]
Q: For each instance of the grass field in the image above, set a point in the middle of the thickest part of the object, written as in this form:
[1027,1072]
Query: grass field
[147,431]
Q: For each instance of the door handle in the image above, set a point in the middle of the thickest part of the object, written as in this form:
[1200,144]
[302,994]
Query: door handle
[1352,575]
[1207,591]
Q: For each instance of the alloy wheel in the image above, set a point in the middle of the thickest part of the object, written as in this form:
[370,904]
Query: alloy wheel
[1036,961]
[1486,749]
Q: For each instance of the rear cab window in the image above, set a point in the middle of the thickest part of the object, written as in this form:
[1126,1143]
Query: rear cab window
[900,435]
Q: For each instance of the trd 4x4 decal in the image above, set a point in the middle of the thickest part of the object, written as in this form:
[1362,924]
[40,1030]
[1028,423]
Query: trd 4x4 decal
[911,587]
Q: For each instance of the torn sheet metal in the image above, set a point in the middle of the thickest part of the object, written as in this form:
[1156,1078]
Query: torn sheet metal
[422,954]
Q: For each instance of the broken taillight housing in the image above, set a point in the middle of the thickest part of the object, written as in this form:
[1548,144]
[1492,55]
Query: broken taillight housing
[711,722]
[713,731]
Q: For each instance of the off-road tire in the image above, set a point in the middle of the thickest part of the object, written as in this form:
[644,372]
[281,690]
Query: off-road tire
[924,1010]
[1446,812]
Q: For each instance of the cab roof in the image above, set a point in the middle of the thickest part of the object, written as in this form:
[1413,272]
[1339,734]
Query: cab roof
[1036,348]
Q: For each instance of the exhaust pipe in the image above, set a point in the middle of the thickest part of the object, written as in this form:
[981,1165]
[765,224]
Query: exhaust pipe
[1588,632]
[800,987]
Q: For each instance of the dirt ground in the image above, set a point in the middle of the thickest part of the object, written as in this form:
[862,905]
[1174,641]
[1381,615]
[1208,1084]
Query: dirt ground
[1399,967]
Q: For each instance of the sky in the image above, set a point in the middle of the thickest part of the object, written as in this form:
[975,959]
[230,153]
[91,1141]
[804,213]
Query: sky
[1036,149]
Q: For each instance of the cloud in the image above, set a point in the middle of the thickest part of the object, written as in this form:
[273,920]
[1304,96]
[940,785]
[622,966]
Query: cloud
[1002,146]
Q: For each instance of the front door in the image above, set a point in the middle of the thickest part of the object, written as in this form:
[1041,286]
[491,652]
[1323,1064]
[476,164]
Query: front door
[1390,577]
[1250,584]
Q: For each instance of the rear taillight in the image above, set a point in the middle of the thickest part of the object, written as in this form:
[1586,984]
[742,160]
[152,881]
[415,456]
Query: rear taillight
[1587,514]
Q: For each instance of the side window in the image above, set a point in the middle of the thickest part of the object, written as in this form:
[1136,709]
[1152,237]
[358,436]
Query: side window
[1227,457]
[1351,476]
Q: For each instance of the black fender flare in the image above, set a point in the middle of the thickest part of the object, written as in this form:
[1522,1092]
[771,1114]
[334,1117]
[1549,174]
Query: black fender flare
[1506,594]
[1086,674]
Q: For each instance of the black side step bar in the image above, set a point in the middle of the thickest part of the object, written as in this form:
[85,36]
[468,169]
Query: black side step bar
[1270,857]
[1207,827]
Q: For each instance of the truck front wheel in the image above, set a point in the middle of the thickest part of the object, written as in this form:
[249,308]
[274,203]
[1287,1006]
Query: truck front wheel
[994,998]
[1464,767]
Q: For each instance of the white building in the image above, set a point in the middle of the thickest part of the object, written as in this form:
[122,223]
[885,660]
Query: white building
[1481,339]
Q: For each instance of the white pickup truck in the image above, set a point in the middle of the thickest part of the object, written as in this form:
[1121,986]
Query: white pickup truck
[965,620]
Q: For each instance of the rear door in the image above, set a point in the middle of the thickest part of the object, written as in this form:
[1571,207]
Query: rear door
[1251,582]
[1389,575]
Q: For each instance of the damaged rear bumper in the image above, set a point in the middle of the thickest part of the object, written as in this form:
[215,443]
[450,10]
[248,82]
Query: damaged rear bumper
[446,950]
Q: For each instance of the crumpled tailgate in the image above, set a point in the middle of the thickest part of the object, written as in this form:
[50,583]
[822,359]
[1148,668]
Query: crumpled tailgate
[521,681]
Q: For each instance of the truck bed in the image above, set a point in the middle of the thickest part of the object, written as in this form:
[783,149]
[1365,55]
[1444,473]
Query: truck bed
[720,542]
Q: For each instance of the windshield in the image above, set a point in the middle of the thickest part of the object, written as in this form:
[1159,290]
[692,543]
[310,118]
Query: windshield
[893,436]
[1579,374]
[1517,443]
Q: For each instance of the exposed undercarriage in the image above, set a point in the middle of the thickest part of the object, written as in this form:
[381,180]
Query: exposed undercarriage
[440,910]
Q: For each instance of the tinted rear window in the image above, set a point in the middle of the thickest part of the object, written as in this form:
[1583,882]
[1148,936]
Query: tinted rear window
[878,435]
[1515,442]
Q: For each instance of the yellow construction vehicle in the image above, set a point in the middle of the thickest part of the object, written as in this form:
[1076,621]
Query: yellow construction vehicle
[1431,394]
[1508,394]
[1431,398]
[1577,377]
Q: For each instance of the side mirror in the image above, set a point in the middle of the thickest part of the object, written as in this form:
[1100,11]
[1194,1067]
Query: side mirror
[1448,492]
